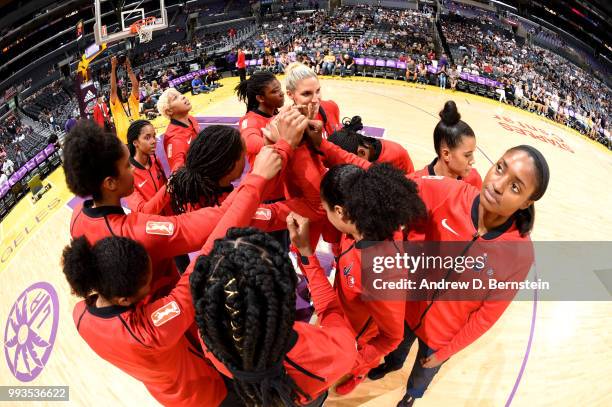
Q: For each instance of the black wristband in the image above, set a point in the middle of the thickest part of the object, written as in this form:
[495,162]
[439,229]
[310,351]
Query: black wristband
[304,260]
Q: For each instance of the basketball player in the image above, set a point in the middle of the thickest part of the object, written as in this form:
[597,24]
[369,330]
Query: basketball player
[149,176]
[351,196]
[302,85]
[273,359]
[263,95]
[455,143]
[502,211]
[182,129]
[370,148]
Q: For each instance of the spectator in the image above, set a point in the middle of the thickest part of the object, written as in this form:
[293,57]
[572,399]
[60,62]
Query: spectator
[348,65]
[101,114]
[197,86]
[8,167]
[149,108]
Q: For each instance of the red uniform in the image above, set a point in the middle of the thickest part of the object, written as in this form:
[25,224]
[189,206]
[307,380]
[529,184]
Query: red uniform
[329,114]
[147,340]
[319,355]
[449,326]
[393,153]
[149,182]
[473,177]
[177,139]
[164,237]
[250,129]
[378,325]
[304,201]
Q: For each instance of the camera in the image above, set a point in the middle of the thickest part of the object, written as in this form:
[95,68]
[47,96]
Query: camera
[121,59]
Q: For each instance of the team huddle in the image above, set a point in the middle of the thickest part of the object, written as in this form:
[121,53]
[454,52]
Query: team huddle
[220,328]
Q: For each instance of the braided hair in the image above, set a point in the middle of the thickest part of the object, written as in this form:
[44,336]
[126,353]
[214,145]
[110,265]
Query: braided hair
[379,200]
[134,132]
[211,156]
[244,298]
[349,139]
[249,89]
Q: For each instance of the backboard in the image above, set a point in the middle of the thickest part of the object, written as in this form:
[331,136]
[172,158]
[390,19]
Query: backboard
[114,18]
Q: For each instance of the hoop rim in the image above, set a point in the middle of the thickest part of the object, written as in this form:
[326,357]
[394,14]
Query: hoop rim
[136,26]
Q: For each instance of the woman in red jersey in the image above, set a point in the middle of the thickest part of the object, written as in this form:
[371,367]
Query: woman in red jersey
[147,339]
[182,129]
[263,95]
[302,85]
[455,143]
[244,296]
[351,197]
[370,148]
[502,211]
[149,176]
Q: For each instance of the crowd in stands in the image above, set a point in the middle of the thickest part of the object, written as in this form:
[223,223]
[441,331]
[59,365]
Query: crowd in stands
[12,154]
[530,77]
[533,77]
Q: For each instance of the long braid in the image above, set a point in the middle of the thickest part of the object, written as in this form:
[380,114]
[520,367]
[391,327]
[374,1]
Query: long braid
[244,297]
[212,155]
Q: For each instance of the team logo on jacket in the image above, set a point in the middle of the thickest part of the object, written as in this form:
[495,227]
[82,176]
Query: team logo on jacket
[350,280]
[263,214]
[165,313]
[432,177]
[160,228]
[169,151]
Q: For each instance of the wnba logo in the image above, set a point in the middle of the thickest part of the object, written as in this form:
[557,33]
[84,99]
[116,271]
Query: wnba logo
[30,331]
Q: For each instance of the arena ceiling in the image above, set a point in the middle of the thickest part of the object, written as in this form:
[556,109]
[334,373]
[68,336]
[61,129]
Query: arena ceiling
[589,21]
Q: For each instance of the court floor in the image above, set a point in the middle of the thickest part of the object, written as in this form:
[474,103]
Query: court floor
[538,354]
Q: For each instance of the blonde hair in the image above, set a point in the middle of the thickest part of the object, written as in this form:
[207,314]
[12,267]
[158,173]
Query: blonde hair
[296,72]
[163,104]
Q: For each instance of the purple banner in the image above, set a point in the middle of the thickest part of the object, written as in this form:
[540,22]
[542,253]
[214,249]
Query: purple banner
[480,80]
[23,171]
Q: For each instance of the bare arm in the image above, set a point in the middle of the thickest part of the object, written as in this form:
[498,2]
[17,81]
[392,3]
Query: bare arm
[113,84]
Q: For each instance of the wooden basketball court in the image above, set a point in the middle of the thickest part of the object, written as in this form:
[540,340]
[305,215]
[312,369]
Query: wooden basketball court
[538,354]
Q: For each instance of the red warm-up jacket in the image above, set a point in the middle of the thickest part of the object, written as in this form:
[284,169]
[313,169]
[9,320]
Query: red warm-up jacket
[164,237]
[149,182]
[177,138]
[393,153]
[473,177]
[250,129]
[449,326]
[319,355]
[146,340]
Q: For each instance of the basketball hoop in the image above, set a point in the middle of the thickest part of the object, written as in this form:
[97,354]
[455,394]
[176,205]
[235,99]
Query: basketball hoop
[144,29]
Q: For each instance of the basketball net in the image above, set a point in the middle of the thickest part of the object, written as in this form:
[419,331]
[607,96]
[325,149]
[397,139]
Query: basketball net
[144,29]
